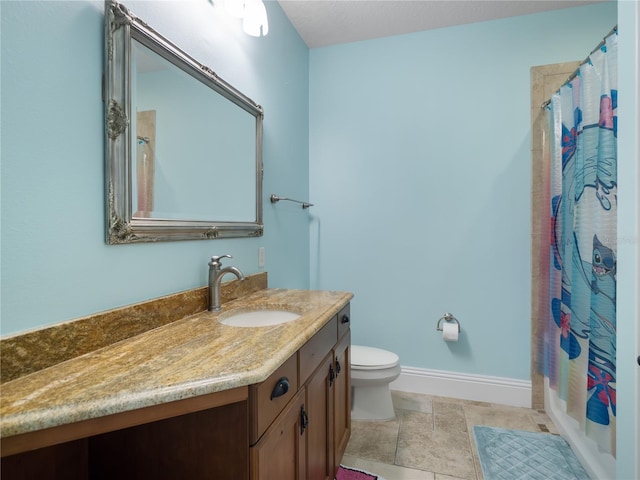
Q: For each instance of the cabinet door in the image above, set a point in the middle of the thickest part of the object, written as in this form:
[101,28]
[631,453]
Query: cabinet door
[342,397]
[320,433]
[281,452]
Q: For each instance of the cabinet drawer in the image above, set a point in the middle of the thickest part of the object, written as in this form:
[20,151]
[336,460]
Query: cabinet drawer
[267,399]
[344,320]
[314,351]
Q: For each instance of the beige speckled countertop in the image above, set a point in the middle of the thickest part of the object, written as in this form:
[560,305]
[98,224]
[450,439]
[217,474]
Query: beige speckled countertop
[193,356]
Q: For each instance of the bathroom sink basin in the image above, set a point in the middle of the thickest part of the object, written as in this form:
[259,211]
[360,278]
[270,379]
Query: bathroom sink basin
[258,318]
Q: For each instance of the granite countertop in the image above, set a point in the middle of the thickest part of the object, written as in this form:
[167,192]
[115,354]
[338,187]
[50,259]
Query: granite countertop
[193,356]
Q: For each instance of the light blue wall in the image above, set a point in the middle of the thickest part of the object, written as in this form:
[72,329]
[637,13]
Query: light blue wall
[55,263]
[420,169]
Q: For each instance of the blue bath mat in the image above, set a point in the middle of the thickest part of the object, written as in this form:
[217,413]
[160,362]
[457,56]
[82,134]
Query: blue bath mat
[518,455]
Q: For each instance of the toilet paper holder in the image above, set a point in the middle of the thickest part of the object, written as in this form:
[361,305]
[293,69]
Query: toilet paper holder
[449,318]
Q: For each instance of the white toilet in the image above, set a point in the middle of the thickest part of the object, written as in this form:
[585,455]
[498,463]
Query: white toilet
[372,369]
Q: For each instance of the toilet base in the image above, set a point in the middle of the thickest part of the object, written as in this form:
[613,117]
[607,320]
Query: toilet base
[372,402]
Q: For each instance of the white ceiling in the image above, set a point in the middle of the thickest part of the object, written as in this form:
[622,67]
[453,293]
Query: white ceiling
[328,22]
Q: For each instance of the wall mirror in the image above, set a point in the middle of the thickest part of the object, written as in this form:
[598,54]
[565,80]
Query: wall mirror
[183,147]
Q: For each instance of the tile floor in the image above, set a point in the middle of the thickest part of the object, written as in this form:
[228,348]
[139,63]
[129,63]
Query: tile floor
[431,437]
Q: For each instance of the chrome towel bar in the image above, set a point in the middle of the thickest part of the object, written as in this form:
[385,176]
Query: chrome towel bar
[276,199]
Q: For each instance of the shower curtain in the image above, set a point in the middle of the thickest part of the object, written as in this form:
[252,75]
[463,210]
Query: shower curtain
[580,325]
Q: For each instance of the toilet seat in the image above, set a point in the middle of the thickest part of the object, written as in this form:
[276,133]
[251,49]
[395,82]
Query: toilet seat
[371,358]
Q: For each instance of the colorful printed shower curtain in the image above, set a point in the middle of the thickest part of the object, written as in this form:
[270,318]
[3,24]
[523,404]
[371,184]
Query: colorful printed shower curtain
[581,324]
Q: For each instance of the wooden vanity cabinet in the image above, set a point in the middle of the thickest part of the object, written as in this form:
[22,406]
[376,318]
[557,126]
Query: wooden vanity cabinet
[321,411]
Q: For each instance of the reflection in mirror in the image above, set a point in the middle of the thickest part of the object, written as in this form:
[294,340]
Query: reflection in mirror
[183,146]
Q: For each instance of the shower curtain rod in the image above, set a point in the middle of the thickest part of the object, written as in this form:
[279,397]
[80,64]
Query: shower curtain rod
[586,60]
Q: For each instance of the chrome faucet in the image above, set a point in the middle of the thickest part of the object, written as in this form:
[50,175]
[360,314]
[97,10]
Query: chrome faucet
[215,279]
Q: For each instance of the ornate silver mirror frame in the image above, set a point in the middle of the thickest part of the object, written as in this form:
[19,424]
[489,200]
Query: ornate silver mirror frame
[121,29]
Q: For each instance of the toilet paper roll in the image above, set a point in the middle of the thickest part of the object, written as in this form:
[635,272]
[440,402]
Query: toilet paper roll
[450,332]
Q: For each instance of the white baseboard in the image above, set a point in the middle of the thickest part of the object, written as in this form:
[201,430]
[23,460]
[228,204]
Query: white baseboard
[481,388]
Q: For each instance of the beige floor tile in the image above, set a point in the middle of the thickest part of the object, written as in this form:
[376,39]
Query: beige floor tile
[449,417]
[388,472]
[450,423]
[543,420]
[374,440]
[448,400]
[447,408]
[500,417]
[474,402]
[435,451]
[446,477]
[508,409]
[476,458]
[416,402]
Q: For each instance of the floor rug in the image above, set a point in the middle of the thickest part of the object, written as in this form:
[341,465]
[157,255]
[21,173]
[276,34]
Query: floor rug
[350,473]
[519,455]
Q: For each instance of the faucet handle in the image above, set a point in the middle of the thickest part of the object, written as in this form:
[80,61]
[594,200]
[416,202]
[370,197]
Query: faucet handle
[216,259]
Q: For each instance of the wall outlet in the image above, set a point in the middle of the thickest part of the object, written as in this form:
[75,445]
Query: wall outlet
[261,256]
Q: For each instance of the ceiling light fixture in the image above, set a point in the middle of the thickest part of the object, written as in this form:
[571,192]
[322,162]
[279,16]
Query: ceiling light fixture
[253,14]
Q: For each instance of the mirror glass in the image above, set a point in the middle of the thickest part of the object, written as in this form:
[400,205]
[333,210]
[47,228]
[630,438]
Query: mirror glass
[184,156]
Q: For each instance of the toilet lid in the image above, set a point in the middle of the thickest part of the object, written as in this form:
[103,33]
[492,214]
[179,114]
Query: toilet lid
[371,357]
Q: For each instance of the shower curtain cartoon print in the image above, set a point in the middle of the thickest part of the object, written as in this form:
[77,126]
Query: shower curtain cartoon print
[582,327]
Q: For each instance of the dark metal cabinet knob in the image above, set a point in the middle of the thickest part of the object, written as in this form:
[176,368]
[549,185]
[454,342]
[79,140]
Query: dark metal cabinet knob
[281,388]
